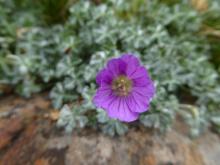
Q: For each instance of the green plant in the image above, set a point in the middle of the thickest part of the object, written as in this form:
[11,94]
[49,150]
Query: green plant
[54,11]
[64,59]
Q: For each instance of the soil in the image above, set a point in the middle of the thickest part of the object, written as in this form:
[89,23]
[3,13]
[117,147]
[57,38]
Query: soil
[29,136]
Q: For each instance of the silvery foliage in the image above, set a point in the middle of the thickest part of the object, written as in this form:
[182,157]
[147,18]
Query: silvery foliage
[66,58]
[71,118]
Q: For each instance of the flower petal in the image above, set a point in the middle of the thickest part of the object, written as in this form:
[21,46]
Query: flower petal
[139,72]
[104,76]
[116,67]
[102,97]
[119,109]
[137,103]
[141,103]
[132,63]
[146,91]
[141,81]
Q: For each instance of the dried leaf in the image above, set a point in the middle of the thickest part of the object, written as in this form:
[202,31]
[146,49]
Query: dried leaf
[41,161]
[54,115]
[200,5]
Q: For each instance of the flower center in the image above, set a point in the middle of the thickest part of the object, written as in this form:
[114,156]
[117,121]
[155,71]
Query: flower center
[121,86]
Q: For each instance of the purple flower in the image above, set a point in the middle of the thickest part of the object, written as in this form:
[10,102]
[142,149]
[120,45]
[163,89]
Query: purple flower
[125,88]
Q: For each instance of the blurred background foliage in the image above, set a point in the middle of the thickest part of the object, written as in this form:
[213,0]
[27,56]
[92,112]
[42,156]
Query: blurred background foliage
[60,45]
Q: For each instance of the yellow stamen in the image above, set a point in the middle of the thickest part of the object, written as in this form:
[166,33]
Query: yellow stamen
[122,86]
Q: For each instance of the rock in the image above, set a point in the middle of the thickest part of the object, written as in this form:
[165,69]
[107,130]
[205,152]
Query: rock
[38,142]
[27,112]
[104,148]
[92,149]
[41,162]
[209,147]
[14,125]
[58,142]
[8,129]
[4,139]
[20,149]
[148,160]
[175,149]
[135,148]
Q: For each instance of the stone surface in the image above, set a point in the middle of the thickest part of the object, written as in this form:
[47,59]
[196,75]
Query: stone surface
[8,129]
[209,147]
[134,148]
[28,136]
[4,140]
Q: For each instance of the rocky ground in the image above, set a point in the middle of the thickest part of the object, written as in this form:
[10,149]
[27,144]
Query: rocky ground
[28,136]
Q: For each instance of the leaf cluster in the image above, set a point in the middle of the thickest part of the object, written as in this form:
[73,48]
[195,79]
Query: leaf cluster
[65,54]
